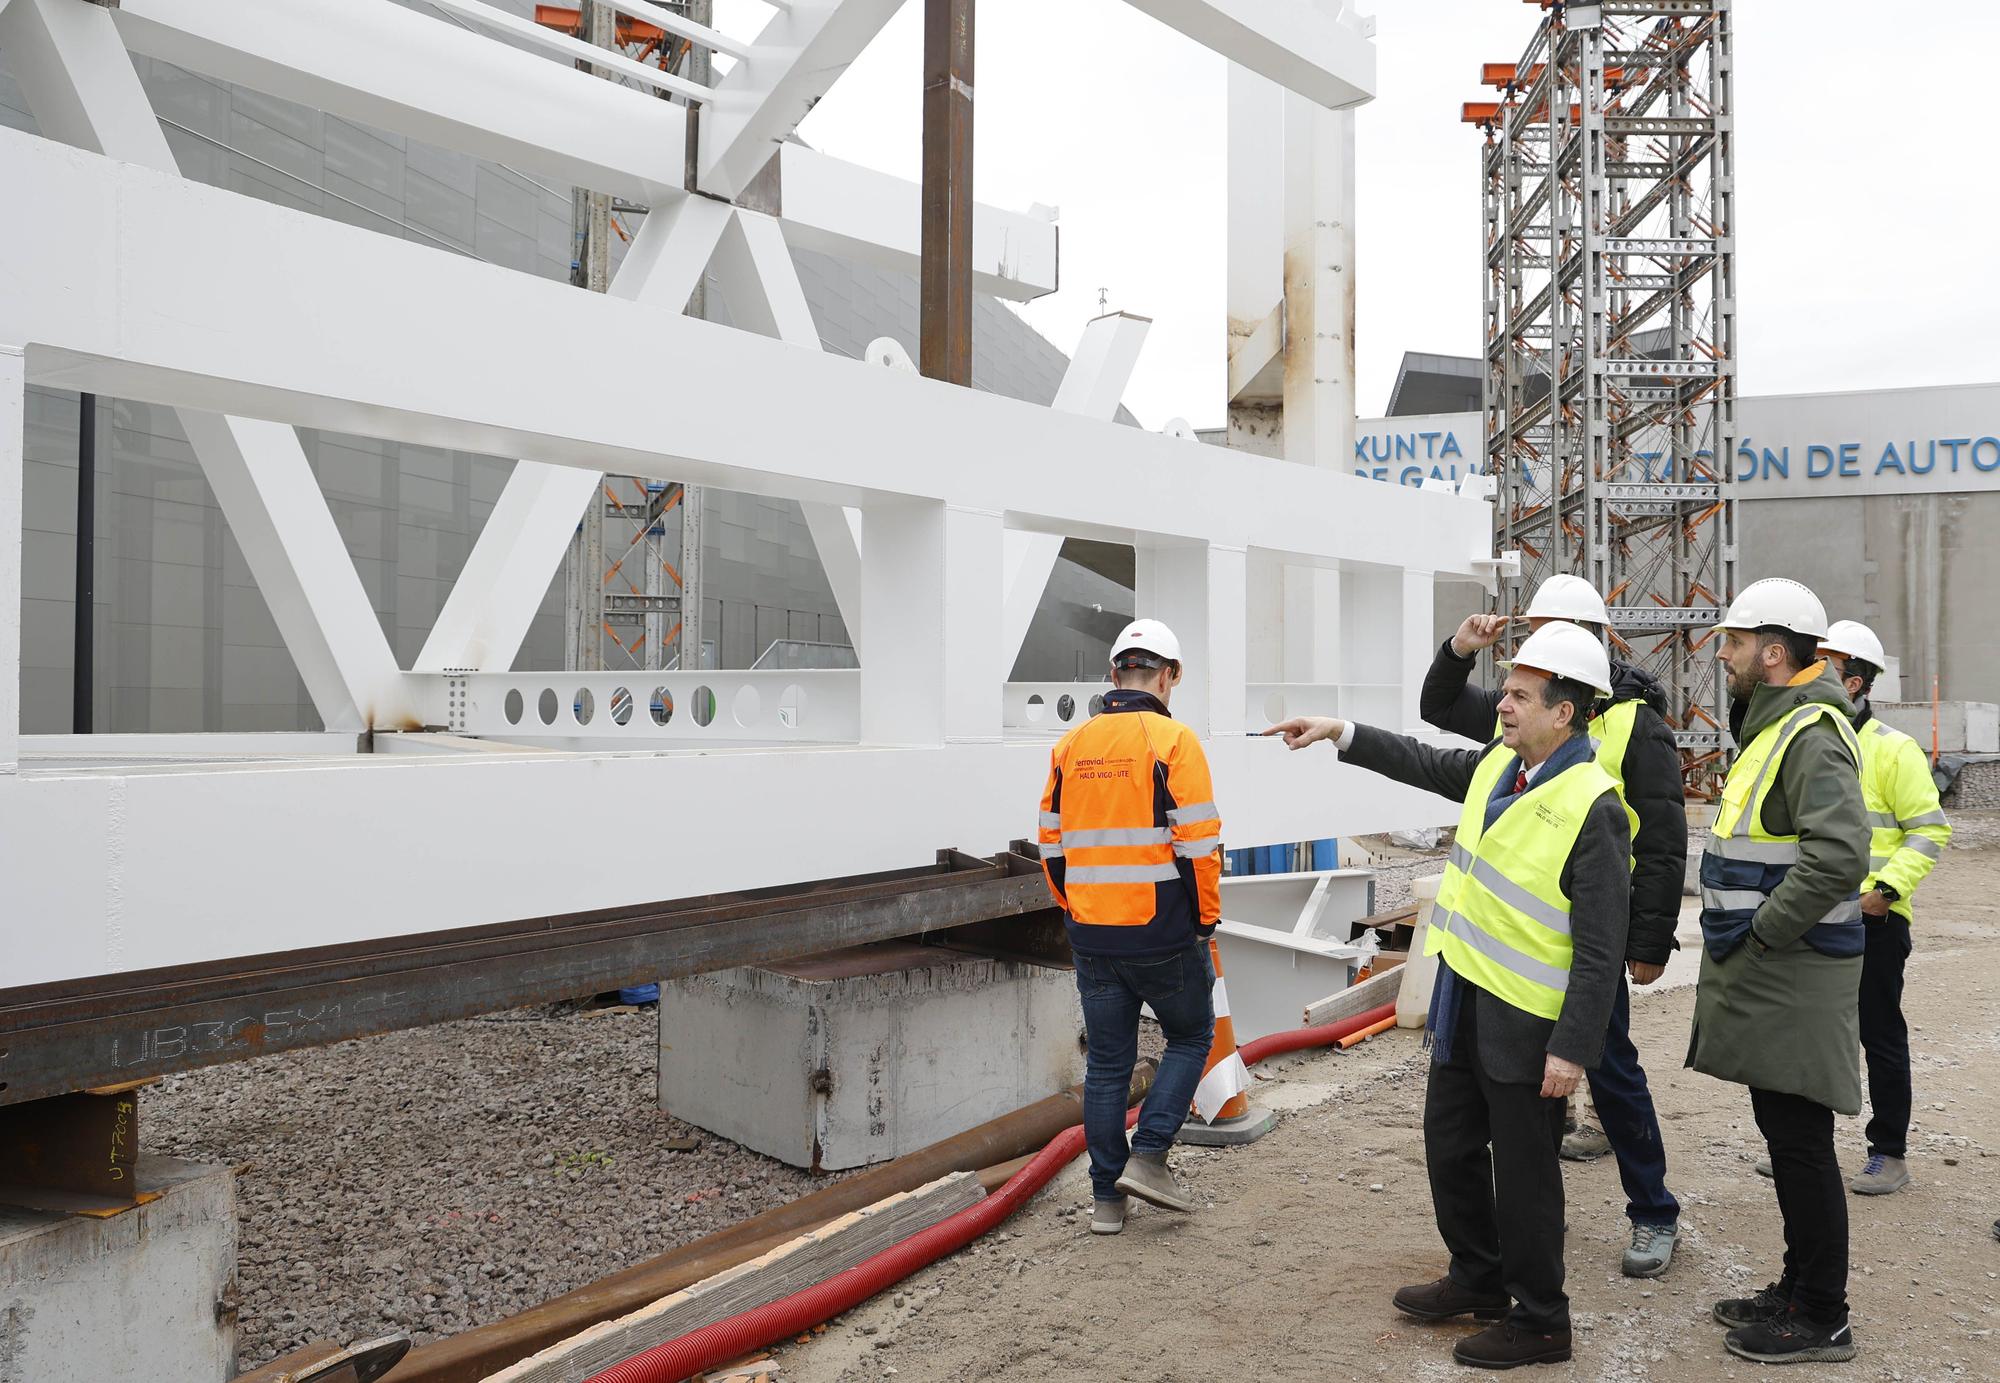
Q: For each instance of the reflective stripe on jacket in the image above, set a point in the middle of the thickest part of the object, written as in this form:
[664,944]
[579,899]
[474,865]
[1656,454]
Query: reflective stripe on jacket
[1130,835]
[1908,830]
[1744,863]
[1502,920]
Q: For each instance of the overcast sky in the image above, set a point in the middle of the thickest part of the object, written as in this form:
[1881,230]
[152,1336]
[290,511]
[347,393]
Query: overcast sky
[1869,230]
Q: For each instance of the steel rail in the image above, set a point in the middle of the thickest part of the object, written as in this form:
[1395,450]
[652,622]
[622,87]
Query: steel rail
[78,1035]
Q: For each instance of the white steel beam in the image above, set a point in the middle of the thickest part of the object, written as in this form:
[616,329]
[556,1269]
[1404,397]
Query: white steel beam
[843,209]
[213,286]
[103,851]
[387,66]
[83,90]
[796,59]
[13,437]
[497,593]
[1091,387]
[1320,50]
[383,65]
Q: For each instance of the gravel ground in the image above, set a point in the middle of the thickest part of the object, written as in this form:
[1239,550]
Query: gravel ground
[1285,1270]
[442,1178]
[446,1177]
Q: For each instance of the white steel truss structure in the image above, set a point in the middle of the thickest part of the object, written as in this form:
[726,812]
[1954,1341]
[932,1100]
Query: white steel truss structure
[937,510]
[1610,373]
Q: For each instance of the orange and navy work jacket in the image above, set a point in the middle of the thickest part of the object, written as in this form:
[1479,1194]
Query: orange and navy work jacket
[1131,841]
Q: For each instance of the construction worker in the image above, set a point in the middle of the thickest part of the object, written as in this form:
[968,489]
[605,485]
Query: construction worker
[1130,842]
[1907,835]
[1636,747]
[1777,1007]
[1529,929]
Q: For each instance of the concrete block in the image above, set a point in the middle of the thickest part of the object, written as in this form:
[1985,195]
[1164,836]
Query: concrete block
[1964,727]
[134,1298]
[861,1055]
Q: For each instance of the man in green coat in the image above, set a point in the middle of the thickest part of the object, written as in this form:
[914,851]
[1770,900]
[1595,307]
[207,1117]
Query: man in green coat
[1783,939]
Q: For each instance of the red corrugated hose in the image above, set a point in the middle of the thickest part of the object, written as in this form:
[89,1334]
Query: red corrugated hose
[735,1336]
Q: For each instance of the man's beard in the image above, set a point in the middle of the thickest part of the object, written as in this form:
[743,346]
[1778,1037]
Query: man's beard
[1742,684]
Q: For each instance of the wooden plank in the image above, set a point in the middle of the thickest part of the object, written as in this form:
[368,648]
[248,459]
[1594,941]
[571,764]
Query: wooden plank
[1356,999]
[287,1367]
[798,1263]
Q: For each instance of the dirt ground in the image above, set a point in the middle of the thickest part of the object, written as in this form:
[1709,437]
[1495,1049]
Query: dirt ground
[1285,1271]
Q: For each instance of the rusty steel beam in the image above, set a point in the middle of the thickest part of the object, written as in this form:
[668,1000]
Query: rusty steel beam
[76,1035]
[945,283]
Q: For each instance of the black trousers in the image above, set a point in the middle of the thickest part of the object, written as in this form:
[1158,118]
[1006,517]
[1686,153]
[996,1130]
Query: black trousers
[1811,1197]
[1885,1036]
[1483,1136]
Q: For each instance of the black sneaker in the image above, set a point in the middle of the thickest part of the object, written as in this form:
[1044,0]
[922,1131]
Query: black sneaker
[1737,1312]
[1790,1338]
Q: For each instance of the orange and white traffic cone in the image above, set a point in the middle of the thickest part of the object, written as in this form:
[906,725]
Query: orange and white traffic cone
[1221,1101]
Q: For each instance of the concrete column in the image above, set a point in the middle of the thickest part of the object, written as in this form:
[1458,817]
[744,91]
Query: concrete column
[13,432]
[931,584]
[1200,592]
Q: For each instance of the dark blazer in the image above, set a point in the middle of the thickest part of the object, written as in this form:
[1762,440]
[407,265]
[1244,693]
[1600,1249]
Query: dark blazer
[1597,878]
[1653,787]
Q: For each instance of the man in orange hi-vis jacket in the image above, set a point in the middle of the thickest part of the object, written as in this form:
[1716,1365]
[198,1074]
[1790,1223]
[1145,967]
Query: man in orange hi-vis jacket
[1131,843]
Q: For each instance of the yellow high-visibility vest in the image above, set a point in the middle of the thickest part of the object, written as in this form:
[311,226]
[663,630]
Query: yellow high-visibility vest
[1502,920]
[1908,830]
[1744,863]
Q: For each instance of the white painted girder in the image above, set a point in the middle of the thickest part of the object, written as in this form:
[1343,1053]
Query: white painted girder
[138,873]
[1313,47]
[497,593]
[214,288]
[83,90]
[387,66]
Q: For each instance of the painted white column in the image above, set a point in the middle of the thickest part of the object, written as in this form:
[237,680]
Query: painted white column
[1199,591]
[1419,624]
[975,665]
[1319,284]
[13,441]
[1386,643]
[930,581]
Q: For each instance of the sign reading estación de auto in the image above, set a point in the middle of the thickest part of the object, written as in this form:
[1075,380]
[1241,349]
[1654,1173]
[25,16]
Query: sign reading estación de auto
[1794,446]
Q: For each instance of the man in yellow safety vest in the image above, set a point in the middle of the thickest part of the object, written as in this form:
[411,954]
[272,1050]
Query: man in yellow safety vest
[1529,928]
[1636,747]
[1907,836]
[1781,953]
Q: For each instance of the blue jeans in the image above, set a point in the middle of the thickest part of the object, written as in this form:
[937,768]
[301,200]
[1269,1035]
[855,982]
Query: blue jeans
[1625,1108]
[1180,990]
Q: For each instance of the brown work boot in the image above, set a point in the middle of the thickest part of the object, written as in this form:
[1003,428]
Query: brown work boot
[1444,1299]
[1508,1346]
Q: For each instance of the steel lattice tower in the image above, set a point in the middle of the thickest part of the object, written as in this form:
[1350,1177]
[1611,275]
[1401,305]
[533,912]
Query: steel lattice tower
[1610,313]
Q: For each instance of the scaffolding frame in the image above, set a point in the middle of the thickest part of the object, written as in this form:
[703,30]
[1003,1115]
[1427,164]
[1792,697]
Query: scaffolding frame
[1609,385]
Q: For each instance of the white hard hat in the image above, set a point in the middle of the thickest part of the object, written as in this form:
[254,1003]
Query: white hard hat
[1562,649]
[1780,602]
[1568,597]
[1854,640]
[1147,636]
